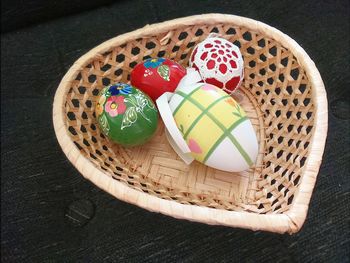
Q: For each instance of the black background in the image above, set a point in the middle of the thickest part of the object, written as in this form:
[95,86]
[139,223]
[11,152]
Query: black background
[50,213]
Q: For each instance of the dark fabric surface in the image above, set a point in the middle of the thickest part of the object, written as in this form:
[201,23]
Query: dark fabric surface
[50,213]
[16,14]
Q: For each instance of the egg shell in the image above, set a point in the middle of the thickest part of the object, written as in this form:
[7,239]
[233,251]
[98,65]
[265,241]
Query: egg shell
[215,127]
[126,115]
[156,76]
[219,62]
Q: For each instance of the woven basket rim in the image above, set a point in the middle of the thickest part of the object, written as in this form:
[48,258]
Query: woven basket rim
[290,222]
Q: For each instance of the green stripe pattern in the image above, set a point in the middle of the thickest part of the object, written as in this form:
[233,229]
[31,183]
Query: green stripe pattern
[226,132]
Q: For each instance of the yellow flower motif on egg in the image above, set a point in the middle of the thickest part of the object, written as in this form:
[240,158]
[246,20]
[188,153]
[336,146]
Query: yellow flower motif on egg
[99,106]
[102,100]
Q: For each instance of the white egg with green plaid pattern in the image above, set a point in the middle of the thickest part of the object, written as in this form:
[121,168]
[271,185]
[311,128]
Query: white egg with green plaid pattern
[215,127]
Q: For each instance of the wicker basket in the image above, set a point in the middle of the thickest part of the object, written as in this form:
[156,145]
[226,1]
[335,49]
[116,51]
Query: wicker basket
[284,97]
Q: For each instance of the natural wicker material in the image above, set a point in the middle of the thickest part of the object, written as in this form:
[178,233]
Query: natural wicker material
[284,96]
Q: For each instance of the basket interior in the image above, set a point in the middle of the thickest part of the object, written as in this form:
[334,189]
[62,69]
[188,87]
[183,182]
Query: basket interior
[277,98]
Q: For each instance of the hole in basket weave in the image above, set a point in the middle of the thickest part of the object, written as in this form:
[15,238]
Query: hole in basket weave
[237,43]
[262,72]
[296,181]
[252,64]
[118,72]
[161,53]
[82,90]
[284,62]
[306,101]
[274,202]
[199,32]
[106,81]
[214,30]
[83,129]
[273,51]
[231,31]
[289,90]
[135,51]
[120,58]
[290,199]
[183,35]
[272,67]
[251,50]
[261,42]
[133,64]
[95,92]
[277,168]
[106,67]
[175,48]
[280,139]
[247,36]
[281,77]
[86,142]
[278,91]
[78,145]
[302,88]
[263,58]
[71,116]
[280,187]
[294,73]
[286,192]
[75,103]
[88,103]
[279,154]
[150,45]
[84,115]
[72,130]
[302,161]
[183,56]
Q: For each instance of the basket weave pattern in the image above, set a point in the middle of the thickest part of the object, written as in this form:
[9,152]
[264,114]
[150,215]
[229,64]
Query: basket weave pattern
[278,98]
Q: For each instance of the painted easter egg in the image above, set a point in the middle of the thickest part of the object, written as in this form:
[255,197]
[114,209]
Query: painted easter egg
[214,127]
[126,115]
[156,76]
[219,62]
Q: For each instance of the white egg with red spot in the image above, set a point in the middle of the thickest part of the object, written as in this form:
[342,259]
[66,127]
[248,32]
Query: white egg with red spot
[219,62]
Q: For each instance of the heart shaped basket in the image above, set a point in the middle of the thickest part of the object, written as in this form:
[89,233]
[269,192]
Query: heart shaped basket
[284,97]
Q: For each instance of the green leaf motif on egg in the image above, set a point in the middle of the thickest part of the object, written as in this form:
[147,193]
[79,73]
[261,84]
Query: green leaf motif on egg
[104,124]
[138,102]
[164,72]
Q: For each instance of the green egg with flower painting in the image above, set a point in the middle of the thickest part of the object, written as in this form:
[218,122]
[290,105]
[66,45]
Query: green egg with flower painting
[126,115]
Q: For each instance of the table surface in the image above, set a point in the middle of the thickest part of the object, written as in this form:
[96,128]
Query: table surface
[49,212]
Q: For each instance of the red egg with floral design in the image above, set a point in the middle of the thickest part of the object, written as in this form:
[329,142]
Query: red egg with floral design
[156,76]
[219,62]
